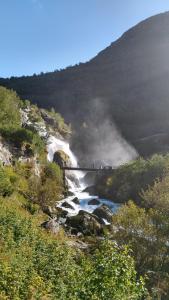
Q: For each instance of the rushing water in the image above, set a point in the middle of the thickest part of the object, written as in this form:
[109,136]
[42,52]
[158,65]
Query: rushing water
[75,180]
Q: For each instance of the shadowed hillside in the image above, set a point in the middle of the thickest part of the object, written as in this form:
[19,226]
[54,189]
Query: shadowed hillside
[127,84]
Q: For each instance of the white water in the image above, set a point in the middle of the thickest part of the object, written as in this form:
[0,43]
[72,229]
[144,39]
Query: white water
[77,185]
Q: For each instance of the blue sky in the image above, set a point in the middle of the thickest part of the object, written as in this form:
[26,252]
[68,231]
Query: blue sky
[44,35]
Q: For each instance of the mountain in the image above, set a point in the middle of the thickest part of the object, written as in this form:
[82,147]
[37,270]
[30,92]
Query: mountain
[124,90]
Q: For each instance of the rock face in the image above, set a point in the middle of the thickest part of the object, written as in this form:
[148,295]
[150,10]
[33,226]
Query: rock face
[84,223]
[103,212]
[5,154]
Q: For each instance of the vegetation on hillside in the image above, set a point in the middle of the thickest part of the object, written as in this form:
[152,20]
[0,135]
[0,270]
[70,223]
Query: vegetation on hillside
[143,223]
[37,265]
[127,181]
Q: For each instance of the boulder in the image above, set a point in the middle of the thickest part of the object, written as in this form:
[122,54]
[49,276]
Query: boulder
[103,212]
[52,225]
[61,213]
[61,158]
[85,223]
[94,202]
[76,200]
[67,205]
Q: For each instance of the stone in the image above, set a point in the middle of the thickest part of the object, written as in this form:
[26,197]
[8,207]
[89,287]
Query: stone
[84,223]
[51,225]
[103,212]
[61,213]
[76,200]
[94,202]
[67,205]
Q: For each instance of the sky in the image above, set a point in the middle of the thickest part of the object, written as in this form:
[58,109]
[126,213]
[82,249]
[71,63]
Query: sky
[45,35]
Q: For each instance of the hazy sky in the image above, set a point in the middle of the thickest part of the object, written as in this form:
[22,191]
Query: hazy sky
[44,35]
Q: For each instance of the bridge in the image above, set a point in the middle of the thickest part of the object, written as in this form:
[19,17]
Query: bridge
[85,169]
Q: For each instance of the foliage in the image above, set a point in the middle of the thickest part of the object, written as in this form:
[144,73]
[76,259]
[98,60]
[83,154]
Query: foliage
[6,187]
[45,190]
[52,171]
[157,196]
[127,181]
[34,265]
[111,275]
[9,110]
[146,233]
[59,122]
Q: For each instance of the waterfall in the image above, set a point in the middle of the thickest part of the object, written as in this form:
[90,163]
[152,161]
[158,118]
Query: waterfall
[75,181]
[54,144]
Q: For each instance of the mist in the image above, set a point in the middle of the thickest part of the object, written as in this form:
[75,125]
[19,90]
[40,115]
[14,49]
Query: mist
[100,142]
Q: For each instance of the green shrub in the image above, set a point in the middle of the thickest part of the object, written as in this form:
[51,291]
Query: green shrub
[6,187]
[53,171]
[146,233]
[127,181]
[9,110]
[34,265]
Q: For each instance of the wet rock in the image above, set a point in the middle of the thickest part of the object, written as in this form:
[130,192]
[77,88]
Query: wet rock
[76,200]
[103,212]
[91,190]
[69,193]
[61,213]
[67,205]
[61,158]
[84,223]
[94,202]
[52,225]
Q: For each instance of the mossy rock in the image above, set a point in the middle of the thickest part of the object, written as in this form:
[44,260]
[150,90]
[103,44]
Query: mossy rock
[61,158]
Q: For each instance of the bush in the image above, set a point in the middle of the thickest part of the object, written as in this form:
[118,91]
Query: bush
[146,233]
[9,110]
[6,187]
[127,181]
[34,265]
[157,196]
[53,171]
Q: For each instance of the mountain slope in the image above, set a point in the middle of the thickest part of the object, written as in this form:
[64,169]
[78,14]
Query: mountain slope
[126,84]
